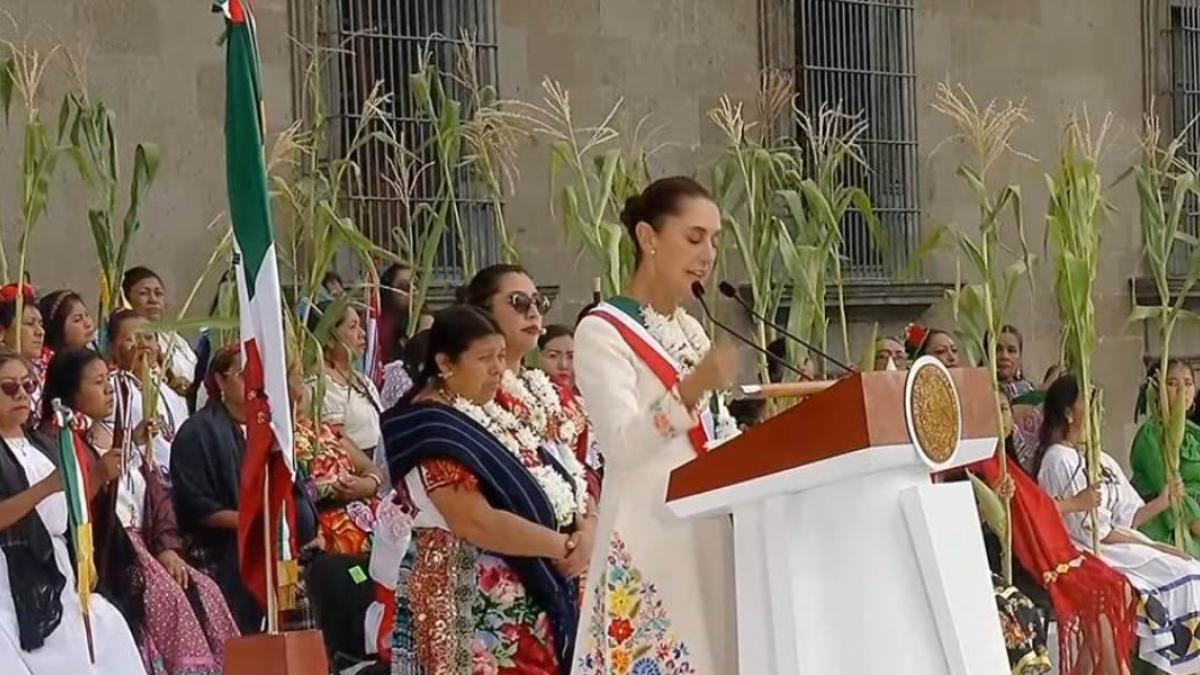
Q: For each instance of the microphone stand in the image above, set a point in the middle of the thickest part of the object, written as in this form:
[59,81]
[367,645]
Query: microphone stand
[698,293]
[730,292]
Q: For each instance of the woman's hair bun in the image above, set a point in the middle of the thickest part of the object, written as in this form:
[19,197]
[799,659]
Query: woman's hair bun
[461,294]
[631,215]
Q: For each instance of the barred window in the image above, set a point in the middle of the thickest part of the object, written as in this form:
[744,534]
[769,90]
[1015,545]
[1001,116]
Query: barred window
[381,41]
[857,55]
[1184,68]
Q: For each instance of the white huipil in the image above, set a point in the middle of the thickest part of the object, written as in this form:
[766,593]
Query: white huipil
[65,651]
[1169,586]
[667,600]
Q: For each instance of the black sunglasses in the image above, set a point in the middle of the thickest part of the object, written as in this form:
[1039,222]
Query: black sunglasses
[523,302]
[12,386]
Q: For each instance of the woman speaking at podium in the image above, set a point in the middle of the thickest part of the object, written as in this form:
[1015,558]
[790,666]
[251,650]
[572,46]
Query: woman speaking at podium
[658,596]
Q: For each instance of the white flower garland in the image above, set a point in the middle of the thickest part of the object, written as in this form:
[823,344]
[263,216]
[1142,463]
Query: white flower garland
[540,397]
[686,343]
[566,500]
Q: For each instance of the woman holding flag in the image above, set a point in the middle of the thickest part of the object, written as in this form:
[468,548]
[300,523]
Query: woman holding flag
[185,622]
[657,598]
[43,626]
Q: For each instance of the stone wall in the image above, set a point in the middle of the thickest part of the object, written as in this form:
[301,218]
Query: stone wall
[159,68]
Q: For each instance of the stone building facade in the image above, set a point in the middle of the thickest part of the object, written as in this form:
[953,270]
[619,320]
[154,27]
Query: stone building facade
[159,67]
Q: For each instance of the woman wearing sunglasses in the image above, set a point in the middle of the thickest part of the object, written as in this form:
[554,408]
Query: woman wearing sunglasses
[135,523]
[41,627]
[551,413]
[658,585]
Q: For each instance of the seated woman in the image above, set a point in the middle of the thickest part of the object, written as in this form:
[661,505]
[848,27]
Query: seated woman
[206,474]
[1166,580]
[348,400]
[1092,604]
[1149,470]
[186,622]
[68,323]
[344,479]
[147,296]
[134,354]
[41,625]
[488,578]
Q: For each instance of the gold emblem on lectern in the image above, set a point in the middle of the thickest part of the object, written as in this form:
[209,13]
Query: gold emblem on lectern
[934,419]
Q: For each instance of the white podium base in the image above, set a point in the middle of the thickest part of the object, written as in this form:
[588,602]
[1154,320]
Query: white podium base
[880,573]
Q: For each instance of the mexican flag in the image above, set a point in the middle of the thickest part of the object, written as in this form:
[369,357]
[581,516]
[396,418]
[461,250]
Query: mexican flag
[269,458]
[74,460]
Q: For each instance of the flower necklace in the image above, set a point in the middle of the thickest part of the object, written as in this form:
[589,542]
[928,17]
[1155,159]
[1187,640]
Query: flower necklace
[538,396]
[567,499]
[686,343]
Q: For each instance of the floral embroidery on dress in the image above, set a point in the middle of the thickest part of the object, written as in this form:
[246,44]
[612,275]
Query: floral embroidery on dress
[634,635]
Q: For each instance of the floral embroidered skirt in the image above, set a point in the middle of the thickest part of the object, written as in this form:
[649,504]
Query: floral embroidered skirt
[1024,628]
[628,629]
[462,611]
[184,632]
[346,528]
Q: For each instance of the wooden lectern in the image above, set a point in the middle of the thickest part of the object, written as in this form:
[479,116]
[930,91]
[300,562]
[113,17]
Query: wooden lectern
[848,559]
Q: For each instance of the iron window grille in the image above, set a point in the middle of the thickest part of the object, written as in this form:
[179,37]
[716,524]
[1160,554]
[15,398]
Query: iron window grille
[382,41]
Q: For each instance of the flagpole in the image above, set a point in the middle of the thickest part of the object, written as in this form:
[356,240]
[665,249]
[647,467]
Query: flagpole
[269,558]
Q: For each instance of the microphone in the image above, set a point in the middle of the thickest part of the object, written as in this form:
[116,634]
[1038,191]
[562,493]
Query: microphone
[698,293]
[729,291]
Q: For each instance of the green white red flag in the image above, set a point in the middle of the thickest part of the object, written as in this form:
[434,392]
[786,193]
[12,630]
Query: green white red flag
[269,458]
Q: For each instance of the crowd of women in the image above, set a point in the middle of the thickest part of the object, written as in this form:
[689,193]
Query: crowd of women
[462,512]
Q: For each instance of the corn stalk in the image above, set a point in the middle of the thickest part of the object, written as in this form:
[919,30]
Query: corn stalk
[22,71]
[89,128]
[1077,205]
[747,181]
[313,190]
[598,177]
[489,138]
[818,206]
[1167,186]
[982,306]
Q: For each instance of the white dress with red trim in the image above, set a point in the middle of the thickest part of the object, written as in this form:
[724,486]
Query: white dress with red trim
[659,595]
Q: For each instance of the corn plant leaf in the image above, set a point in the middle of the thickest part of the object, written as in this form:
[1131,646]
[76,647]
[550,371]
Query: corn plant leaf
[991,507]
[6,85]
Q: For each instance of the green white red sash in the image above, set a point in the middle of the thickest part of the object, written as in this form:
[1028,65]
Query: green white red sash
[658,360]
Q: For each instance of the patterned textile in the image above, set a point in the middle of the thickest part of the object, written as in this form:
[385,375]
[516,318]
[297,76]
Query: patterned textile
[396,383]
[420,432]
[1024,630]
[633,629]
[345,527]
[185,631]
[460,610]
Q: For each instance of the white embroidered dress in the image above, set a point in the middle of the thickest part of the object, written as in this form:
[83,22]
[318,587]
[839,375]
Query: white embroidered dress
[65,651]
[1169,587]
[659,596]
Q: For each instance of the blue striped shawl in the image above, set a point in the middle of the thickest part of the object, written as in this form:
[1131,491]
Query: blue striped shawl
[416,432]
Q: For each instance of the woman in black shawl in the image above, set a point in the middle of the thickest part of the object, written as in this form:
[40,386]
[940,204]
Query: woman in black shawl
[41,624]
[486,585]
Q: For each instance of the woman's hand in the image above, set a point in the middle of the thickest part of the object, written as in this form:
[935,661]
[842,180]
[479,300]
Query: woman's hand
[110,466]
[1006,487]
[716,371]
[350,487]
[145,430]
[577,556]
[1172,491]
[176,567]
[1084,500]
